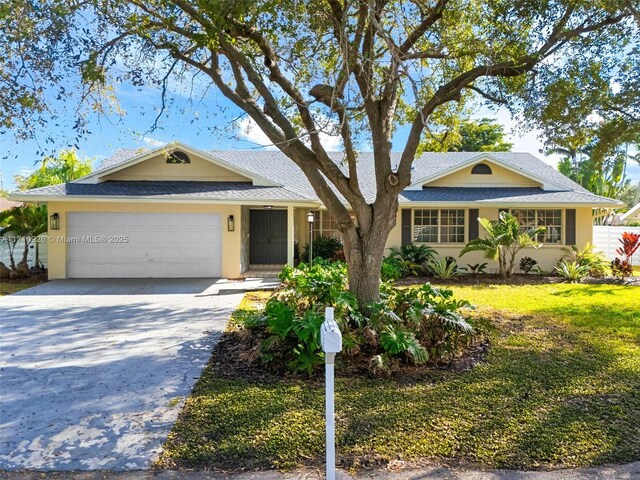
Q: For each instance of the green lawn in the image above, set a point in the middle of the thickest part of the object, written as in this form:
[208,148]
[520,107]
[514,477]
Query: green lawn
[560,388]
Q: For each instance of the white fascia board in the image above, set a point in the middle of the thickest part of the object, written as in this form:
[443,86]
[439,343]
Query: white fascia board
[506,204]
[97,176]
[632,213]
[151,199]
[547,186]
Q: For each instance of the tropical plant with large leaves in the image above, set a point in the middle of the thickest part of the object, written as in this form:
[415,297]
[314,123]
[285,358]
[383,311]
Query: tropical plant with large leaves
[504,239]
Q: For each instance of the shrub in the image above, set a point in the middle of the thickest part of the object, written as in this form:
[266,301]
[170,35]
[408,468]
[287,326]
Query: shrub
[527,264]
[415,257]
[407,326]
[445,268]
[328,248]
[392,269]
[571,270]
[595,262]
[476,268]
[621,268]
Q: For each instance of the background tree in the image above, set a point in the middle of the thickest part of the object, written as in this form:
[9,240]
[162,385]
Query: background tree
[65,167]
[25,223]
[357,68]
[485,135]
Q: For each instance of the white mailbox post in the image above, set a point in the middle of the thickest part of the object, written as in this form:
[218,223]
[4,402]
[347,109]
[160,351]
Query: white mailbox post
[331,340]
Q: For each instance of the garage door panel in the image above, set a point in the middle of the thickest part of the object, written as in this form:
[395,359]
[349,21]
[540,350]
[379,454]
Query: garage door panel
[159,245]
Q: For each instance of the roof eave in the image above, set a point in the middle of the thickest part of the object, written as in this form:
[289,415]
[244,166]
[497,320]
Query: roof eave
[161,199]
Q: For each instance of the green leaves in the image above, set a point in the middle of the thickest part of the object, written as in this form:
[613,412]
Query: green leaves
[504,239]
[415,325]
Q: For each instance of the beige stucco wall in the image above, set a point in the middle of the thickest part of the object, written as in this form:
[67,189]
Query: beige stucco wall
[231,241]
[500,177]
[157,168]
[547,256]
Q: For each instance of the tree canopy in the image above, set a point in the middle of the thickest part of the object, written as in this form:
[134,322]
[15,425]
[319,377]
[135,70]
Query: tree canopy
[485,135]
[359,68]
[65,167]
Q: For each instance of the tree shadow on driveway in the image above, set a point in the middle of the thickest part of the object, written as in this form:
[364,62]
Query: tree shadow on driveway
[96,382]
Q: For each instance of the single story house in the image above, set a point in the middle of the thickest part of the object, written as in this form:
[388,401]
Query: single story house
[177,211]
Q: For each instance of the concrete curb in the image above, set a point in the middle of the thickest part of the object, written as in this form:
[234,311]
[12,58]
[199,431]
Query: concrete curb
[629,471]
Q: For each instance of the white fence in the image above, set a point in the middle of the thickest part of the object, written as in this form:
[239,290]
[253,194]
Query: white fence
[606,238]
[17,254]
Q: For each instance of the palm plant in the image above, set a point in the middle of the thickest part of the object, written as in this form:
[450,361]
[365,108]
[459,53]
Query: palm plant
[503,241]
[414,256]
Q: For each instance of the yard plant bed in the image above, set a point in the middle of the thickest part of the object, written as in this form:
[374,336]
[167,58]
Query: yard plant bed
[518,279]
[559,388]
[10,286]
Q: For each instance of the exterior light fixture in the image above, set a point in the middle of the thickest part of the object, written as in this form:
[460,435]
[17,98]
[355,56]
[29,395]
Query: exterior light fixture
[231,223]
[54,222]
[310,217]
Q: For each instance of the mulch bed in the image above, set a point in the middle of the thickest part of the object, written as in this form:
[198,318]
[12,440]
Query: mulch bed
[516,279]
[227,361]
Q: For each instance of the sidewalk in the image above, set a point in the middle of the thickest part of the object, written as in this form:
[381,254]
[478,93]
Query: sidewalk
[630,471]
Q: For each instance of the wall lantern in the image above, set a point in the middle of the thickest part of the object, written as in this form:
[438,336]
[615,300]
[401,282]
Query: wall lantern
[231,223]
[54,221]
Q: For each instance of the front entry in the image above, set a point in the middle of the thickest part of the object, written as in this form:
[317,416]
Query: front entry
[267,237]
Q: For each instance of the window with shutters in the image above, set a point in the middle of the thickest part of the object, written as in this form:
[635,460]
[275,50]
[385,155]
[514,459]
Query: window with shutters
[550,219]
[439,226]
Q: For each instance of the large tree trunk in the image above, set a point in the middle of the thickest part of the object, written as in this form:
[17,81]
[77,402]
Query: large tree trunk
[364,250]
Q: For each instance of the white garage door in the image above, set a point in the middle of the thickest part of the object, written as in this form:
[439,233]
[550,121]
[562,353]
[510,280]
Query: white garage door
[144,245]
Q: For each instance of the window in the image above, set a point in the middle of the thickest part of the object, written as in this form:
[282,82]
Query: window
[551,219]
[438,226]
[178,157]
[324,225]
[481,169]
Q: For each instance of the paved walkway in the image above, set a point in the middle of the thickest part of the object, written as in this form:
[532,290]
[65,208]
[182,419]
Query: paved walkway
[94,373]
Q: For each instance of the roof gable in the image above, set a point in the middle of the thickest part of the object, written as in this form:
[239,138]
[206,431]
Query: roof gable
[505,174]
[152,165]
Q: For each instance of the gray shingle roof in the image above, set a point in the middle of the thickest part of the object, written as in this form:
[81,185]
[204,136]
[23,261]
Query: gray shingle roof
[235,191]
[276,167]
[498,195]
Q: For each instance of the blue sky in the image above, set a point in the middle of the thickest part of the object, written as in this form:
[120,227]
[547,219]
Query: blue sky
[210,123]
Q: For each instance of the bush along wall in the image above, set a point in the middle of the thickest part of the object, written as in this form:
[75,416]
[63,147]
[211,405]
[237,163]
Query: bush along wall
[407,327]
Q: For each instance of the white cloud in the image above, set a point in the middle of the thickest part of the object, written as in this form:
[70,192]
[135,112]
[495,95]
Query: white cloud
[249,131]
[152,142]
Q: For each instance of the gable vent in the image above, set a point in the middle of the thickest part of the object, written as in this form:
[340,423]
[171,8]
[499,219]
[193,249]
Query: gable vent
[481,169]
[178,157]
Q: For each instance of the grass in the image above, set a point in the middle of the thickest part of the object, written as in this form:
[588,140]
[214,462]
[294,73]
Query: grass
[8,287]
[559,389]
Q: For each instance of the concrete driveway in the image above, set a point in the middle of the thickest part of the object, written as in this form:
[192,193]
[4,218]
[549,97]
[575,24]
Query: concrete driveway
[94,372]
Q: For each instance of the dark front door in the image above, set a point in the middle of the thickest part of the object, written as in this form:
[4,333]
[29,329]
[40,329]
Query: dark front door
[268,237]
